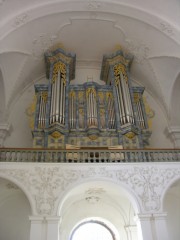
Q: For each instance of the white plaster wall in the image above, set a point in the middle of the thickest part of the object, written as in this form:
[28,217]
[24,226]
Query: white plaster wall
[14,217]
[82,210]
[172,207]
[49,183]
[158,138]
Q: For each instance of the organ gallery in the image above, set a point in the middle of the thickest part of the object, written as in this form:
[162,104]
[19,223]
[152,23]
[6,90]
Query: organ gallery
[89,114]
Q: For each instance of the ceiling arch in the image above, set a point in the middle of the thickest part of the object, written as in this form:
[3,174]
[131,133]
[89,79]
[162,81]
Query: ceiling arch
[148,30]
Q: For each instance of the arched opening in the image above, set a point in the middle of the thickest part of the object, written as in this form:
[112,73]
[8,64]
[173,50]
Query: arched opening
[172,207]
[94,229]
[15,210]
[101,202]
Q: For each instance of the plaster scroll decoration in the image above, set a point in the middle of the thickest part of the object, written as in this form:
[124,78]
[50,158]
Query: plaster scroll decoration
[93,195]
[44,184]
[148,183]
[93,5]
[48,183]
[166,28]
[12,186]
[138,49]
[21,19]
[41,44]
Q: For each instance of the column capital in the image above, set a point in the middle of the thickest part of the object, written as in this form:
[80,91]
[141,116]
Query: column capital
[36,218]
[161,215]
[4,131]
[143,217]
[173,132]
[54,219]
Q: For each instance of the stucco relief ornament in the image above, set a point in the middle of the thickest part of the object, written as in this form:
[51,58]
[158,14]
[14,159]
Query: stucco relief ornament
[44,184]
[166,28]
[148,183]
[21,19]
[41,44]
[49,182]
[138,49]
[93,5]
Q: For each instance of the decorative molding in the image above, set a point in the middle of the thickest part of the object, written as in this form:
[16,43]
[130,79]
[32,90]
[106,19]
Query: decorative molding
[166,28]
[140,50]
[148,183]
[10,185]
[173,133]
[21,19]
[47,183]
[41,44]
[4,131]
[93,5]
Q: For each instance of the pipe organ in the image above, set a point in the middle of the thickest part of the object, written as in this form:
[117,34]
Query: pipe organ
[89,114]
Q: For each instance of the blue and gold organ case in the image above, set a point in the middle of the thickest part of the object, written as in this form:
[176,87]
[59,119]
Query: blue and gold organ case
[89,114]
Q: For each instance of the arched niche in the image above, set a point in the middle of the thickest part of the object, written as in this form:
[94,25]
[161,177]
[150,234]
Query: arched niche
[171,205]
[15,210]
[98,199]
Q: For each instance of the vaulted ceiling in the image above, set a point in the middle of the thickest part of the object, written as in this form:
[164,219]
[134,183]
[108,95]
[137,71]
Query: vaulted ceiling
[148,29]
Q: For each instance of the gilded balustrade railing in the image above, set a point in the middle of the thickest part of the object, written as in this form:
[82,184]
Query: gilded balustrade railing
[95,155]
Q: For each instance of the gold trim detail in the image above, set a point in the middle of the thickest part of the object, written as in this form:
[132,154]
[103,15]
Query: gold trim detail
[44,96]
[90,90]
[93,137]
[59,67]
[56,134]
[109,95]
[72,94]
[130,135]
[80,94]
[102,111]
[137,97]
[118,69]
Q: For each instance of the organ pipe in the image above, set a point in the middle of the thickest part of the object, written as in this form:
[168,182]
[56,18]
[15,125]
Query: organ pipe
[42,110]
[123,97]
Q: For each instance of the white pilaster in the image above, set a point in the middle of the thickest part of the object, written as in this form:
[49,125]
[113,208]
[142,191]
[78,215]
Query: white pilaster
[160,226]
[144,227]
[53,228]
[131,232]
[36,232]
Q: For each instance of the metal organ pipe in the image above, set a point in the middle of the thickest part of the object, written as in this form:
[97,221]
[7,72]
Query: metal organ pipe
[127,100]
[140,115]
[42,111]
[57,96]
[121,103]
[61,97]
[54,101]
[63,102]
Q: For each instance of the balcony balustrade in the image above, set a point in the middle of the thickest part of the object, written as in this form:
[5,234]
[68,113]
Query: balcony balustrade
[93,155]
